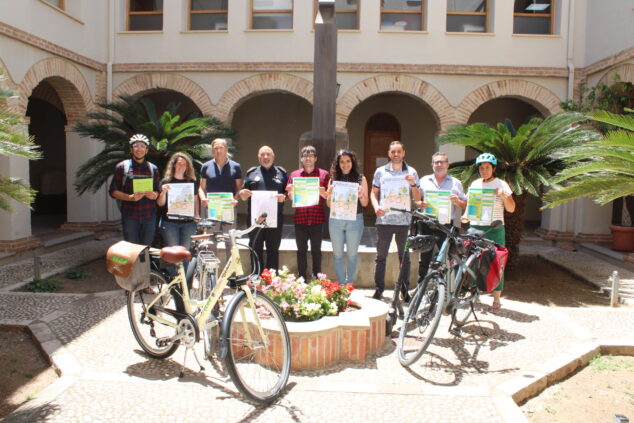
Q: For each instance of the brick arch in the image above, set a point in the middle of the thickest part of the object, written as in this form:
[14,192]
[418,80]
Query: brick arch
[625,71]
[248,88]
[68,82]
[394,83]
[537,96]
[178,83]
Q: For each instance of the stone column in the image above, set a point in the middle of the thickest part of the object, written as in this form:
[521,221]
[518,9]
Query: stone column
[87,211]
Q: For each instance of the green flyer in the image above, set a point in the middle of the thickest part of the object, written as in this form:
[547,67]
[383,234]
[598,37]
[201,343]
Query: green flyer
[219,206]
[480,206]
[305,192]
[439,205]
[142,185]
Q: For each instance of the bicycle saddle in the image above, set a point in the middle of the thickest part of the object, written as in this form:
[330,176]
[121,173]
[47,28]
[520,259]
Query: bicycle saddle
[175,254]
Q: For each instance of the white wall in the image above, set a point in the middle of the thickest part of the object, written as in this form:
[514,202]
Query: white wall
[609,28]
[82,30]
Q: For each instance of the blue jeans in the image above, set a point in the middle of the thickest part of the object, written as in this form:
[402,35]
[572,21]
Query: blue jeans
[139,231]
[177,233]
[346,232]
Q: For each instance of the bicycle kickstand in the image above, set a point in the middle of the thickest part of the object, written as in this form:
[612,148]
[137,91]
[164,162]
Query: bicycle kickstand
[182,373]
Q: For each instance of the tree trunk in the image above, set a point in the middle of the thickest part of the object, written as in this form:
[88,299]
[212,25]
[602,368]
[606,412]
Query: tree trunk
[514,226]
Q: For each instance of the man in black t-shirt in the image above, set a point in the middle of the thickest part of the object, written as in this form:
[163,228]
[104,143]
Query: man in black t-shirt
[266,177]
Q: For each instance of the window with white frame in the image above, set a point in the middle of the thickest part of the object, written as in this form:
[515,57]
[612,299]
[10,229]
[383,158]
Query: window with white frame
[402,15]
[271,14]
[533,17]
[347,13]
[210,15]
[145,15]
[467,15]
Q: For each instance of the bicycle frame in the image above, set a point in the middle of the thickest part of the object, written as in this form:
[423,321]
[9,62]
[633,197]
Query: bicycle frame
[232,267]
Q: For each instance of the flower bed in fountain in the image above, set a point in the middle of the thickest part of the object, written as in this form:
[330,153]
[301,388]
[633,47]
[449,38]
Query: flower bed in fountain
[334,323]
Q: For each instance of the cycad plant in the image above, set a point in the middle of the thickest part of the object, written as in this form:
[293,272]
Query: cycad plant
[602,170]
[527,158]
[13,142]
[168,134]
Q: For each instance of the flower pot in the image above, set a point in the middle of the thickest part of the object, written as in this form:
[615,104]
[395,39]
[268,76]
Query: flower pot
[622,238]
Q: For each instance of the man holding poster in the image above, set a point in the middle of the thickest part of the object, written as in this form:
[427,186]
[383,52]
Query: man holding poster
[220,175]
[309,220]
[387,189]
[135,184]
[265,188]
[442,196]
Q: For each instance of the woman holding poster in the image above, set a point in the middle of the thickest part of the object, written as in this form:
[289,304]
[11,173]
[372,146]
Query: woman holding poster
[178,196]
[488,198]
[347,196]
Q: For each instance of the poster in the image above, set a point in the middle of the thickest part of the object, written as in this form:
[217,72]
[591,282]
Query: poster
[343,203]
[142,185]
[219,206]
[395,193]
[439,205]
[264,202]
[480,206]
[305,192]
[180,199]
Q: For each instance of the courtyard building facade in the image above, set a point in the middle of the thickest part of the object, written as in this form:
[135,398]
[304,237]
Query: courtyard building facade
[407,69]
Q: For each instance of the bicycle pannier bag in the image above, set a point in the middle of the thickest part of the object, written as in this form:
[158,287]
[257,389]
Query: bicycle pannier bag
[130,265]
[491,268]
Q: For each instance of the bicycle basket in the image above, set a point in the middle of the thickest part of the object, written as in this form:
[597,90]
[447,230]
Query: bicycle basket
[421,243]
[130,265]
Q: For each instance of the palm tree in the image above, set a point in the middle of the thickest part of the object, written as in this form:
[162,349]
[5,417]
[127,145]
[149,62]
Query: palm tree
[527,158]
[13,142]
[168,134]
[602,170]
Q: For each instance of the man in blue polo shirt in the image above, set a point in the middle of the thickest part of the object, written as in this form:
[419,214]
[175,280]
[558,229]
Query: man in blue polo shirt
[440,180]
[392,224]
[219,174]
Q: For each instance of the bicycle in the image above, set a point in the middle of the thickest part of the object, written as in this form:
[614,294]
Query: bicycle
[250,333]
[450,287]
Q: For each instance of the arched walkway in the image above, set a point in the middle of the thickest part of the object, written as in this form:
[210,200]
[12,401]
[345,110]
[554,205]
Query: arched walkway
[394,83]
[541,98]
[259,84]
[68,82]
[152,81]
[625,72]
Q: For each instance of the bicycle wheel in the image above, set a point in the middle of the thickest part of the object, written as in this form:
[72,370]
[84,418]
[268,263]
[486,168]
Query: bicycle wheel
[258,367]
[421,320]
[149,333]
[466,296]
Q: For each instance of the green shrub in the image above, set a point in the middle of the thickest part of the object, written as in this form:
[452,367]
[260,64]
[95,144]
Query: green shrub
[42,285]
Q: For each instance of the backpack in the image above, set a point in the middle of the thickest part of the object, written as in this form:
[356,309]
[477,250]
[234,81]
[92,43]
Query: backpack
[491,268]
[127,165]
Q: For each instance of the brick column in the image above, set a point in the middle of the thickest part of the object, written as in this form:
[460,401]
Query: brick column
[87,211]
[15,225]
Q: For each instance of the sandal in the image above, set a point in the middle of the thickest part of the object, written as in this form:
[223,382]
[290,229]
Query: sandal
[496,307]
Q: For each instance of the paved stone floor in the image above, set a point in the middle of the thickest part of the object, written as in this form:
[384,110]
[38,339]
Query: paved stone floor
[106,377]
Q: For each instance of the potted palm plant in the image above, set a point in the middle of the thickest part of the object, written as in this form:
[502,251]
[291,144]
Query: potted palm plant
[602,170]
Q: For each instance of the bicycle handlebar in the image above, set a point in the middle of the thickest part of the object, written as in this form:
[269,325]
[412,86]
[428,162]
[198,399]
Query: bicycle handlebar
[260,222]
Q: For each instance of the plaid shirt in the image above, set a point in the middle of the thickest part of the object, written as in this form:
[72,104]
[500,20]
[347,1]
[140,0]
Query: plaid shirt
[312,215]
[137,210]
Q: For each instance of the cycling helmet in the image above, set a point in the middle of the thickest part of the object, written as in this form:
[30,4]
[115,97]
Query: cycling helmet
[486,158]
[139,138]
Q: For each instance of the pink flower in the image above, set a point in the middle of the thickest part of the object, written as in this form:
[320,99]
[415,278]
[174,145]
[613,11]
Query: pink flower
[284,305]
[321,276]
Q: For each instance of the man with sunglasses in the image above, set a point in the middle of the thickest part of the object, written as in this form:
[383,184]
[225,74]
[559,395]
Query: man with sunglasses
[440,180]
[138,209]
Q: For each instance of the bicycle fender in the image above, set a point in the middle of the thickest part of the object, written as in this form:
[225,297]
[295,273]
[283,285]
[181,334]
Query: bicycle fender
[224,331]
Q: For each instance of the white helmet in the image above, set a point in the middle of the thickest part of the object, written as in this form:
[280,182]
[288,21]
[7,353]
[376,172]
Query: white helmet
[139,138]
